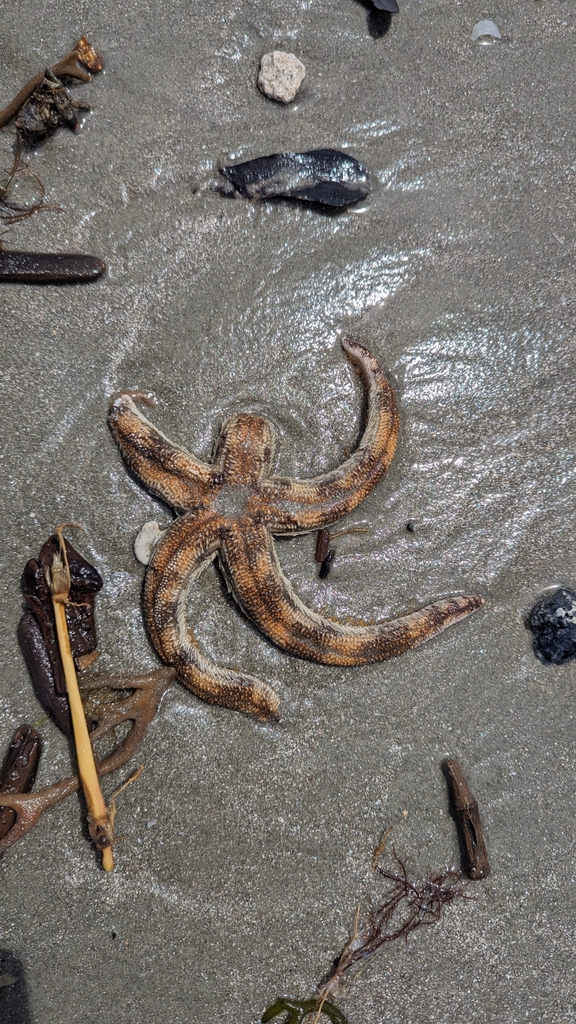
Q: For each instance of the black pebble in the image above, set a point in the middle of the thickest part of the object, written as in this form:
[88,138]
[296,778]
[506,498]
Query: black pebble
[553,624]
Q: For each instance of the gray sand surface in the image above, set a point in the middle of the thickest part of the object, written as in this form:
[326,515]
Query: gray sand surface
[246,848]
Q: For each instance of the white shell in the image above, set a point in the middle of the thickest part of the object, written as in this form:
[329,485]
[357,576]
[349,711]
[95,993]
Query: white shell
[485,32]
[147,540]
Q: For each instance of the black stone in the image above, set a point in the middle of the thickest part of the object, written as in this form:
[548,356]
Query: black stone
[553,624]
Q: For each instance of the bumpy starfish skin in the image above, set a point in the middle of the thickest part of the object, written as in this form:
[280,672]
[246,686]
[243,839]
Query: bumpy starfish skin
[232,508]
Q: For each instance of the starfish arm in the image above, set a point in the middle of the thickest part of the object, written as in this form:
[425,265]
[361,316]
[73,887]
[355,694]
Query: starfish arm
[164,468]
[185,550]
[296,506]
[249,562]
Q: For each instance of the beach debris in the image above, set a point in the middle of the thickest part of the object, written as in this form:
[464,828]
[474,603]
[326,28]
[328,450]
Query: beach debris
[324,176]
[49,106]
[553,624]
[280,76]
[387,5]
[108,716]
[99,825]
[299,1009]
[18,771]
[11,209]
[464,807]
[485,32]
[37,627]
[147,540]
[49,267]
[111,705]
[324,553]
[406,905]
[44,103]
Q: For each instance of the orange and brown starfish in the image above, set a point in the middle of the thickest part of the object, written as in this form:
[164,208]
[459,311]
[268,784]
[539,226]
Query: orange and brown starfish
[232,509]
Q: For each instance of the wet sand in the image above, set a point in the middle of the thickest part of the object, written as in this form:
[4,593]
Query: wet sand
[246,848]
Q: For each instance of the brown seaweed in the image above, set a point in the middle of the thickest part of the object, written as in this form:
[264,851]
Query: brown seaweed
[78,64]
[126,699]
[37,629]
[18,770]
[324,176]
[465,811]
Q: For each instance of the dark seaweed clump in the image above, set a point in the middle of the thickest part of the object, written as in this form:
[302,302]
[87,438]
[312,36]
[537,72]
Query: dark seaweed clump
[553,624]
[323,176]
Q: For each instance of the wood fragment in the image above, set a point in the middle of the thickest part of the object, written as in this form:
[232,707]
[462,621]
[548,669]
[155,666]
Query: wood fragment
[465,812]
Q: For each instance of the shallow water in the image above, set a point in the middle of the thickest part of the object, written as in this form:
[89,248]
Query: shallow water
[246,847]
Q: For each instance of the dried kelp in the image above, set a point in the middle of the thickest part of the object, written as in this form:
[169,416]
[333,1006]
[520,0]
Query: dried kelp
[464,807]
[19,770]
[49,106]
[37,628]
[323,176]
[44,103]
[138,700]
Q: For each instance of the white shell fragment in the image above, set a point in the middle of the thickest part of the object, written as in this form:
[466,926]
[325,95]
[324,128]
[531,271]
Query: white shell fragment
[281,75]
[147,540]
[485,32]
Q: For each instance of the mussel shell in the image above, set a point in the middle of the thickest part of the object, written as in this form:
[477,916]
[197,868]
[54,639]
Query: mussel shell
[324,176]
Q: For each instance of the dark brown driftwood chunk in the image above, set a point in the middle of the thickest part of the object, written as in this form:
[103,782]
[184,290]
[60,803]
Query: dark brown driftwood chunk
[467,817]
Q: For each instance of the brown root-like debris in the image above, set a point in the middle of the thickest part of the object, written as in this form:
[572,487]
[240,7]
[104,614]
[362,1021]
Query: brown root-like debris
[407,905]
[111,703]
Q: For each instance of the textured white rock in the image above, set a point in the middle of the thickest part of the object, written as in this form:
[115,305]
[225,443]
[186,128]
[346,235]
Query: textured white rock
[281,75]
[147,540]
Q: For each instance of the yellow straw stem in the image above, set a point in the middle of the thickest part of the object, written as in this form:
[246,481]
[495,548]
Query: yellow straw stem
[99,824]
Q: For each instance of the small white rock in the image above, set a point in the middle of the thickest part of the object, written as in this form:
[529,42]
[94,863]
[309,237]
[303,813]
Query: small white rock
[147,540]
[281,75]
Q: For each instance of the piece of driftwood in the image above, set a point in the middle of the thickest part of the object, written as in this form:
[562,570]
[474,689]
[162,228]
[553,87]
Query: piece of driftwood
[464,807]
[19,770]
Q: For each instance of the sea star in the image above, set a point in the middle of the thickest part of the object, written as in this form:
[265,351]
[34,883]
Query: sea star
[233,508]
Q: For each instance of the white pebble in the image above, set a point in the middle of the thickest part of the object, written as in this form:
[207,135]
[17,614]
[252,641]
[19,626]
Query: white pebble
[147,540]
[281,75]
